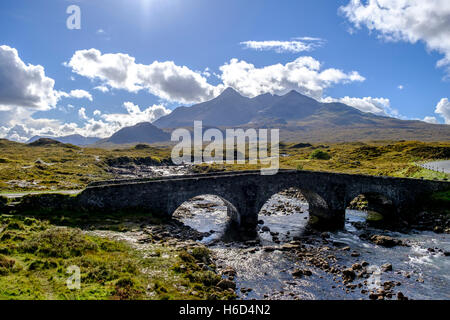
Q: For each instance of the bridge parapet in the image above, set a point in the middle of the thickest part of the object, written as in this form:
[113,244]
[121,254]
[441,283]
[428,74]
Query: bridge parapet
[246,192]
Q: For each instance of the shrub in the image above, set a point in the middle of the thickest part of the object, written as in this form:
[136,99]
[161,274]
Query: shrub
[200,253]
[6,265]
[142,146]
[320,155]
[59,243]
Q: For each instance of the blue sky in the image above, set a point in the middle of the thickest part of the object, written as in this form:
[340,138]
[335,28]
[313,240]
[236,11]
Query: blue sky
[391,69]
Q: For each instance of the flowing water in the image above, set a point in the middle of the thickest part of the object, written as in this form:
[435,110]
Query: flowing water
[421,270]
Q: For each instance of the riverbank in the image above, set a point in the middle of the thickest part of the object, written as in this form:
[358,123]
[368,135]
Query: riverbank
[25,168]
[36,255]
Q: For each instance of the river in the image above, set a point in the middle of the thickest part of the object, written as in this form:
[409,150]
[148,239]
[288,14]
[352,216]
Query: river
[420,270]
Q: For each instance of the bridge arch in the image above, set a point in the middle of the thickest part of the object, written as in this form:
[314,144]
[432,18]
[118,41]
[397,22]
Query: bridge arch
[378,206]
[318,201]
[177,202]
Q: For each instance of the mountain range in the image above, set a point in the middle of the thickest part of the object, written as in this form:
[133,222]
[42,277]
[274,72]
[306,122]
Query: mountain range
[299,118]
[74,139]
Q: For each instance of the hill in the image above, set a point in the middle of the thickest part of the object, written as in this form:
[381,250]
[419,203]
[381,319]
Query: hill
[143,132]
[301,118]
[74,139]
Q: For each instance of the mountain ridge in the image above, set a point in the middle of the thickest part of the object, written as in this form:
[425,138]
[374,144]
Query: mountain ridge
[301,117]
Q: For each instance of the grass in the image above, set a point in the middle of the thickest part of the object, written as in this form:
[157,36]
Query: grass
[35,256]
[67,167]
[387,158]
[62,167]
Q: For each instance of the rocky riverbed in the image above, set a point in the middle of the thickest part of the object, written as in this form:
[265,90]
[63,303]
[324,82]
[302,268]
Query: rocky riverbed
[287,260]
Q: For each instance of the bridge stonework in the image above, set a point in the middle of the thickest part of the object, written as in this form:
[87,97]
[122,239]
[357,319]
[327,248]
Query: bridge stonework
[245,193]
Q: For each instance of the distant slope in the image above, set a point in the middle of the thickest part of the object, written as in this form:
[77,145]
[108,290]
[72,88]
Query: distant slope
[74,139]
[301,118]
[228,109]
[143,132]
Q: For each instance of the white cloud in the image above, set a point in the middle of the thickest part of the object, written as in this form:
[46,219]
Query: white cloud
[19,125]
[171,82]
[80,94]
[430,120]
[406,20]
[303,74]
[134,115]
[82,113]
[293,46]
[76,94]
[163,79]
[102,88]
[378,106]
[24,85]
[443,109]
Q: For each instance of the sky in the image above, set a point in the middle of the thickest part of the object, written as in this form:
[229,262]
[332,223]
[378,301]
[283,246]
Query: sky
[132,61]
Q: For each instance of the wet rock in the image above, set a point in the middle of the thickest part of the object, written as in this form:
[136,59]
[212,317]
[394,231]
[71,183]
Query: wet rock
[226,284]
[356,266]
[346,248]
[385,241]
[348,275]
[355,254]
[298,273]
[386,267]
[401,296]
[325,235]
[364,263]
[373,296]
[289,246]
[265,229]
[228,271]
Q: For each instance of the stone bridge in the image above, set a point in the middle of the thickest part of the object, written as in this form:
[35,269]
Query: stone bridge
[245,192]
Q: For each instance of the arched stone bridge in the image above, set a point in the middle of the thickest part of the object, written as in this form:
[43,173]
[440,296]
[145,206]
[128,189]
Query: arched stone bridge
[246,192]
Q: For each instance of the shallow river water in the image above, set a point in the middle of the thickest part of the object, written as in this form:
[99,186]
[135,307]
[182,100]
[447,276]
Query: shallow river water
[420,270]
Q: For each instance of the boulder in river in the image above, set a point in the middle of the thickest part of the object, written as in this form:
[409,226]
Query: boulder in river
[386,267]
[226,284]
[386,241]
[348,275]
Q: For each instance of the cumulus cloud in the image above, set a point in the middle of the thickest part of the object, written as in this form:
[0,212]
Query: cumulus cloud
[378,106]
[135,115]
[24,85]
[80,94]
[443,109]
[430,120]
[171,82]
[76,94]
[406,20]
[293,46]
[102,88]
[303,74]
[82,113]
[163,79]
[19,125]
